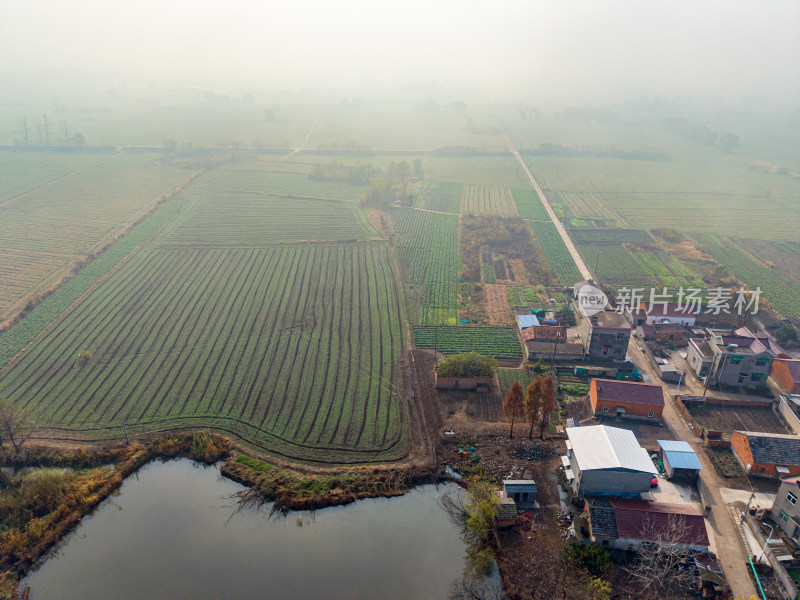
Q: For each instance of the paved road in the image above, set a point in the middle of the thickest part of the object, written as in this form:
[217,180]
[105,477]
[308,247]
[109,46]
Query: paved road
[585,272]
[730,550]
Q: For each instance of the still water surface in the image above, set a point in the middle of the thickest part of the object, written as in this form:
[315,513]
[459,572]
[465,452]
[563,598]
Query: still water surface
[170,533]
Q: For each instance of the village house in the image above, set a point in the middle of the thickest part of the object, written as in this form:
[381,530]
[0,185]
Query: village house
[507,513]
[605,335]
[563,351]
[660,332]
[521,491]
[626,399]
[606,461]
[478,384]
[526,321]
[668,312]
[679,461]
[767,454]
[766,340]
[628,523]
[731,360]
[786,508]
[545,333]
[787,373]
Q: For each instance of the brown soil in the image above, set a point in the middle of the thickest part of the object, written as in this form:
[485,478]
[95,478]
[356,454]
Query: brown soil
[378,220]
[495,304]
[728,419]
[518,270]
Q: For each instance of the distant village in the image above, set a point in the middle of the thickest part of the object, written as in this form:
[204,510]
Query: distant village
[684,455]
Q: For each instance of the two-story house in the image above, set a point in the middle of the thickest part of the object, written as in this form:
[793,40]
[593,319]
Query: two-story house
[786,508]
[731,360]
[605,335]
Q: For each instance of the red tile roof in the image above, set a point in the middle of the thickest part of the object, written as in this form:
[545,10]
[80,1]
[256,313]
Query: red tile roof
[545,332]
[610,390]
[643,520]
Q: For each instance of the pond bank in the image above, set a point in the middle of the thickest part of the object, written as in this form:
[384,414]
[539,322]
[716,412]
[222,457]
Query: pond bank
[178,522]
[38,512]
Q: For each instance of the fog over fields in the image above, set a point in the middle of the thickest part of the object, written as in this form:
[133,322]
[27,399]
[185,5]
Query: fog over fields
[581,51]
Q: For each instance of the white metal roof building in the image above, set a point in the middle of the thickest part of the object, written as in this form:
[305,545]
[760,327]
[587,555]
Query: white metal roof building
[607,461]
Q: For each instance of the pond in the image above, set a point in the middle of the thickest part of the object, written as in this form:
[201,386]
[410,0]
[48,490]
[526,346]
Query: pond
[171,533]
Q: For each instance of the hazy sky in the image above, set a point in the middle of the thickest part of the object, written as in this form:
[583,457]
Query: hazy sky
[590,49]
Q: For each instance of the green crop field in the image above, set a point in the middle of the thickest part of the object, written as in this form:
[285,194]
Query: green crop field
[508,377]
[54,212]
[496,341]
[290,347]
[427,248]
[494,170]
[477,199]
[781,292]
[441,196]
[613,235]
[721,197]
[528,205]
[557,254]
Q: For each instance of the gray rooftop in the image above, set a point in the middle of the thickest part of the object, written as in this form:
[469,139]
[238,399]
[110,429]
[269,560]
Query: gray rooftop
[609,319]
[603,447]
[774,448]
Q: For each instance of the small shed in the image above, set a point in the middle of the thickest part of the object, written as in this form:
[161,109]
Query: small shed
[522,491]
[507,513]
[525,321]
[679,460]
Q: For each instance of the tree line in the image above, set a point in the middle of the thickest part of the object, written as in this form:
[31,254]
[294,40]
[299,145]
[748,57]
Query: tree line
[41,131]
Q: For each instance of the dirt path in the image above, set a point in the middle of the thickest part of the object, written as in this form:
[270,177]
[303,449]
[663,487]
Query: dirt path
[438,212]
[585,272]
[730,552]
[302,147]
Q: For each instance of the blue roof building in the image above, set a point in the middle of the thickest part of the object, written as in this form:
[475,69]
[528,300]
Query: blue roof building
[680,461]
[525,321]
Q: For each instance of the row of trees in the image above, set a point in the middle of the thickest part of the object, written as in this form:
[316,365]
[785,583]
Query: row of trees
[392,184]
[42,131]
[535,404]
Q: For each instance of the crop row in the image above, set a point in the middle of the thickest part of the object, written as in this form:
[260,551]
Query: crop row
[781,292]
[478,199]
[528,204]
[508,377]
[295,345]
[440,195]
[615,235]
[556,251]
[499,342]
[428,244]
[263,219]
[15,339]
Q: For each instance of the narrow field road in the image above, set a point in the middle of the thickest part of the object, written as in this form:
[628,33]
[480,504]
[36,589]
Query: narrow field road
[730,551]
[438,212]
[585,272]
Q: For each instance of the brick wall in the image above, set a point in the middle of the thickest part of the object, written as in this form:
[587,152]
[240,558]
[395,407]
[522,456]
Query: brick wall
[781,373]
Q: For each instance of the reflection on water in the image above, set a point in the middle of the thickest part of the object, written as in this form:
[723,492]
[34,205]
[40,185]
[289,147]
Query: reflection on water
[171,534]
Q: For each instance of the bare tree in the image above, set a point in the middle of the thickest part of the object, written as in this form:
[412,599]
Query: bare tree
[16,426]
[513,405]
[22,128]
[66,131]
[660,567]
[533,404]
[468,588]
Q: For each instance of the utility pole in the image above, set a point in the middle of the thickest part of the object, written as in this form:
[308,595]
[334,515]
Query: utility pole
[710,373]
